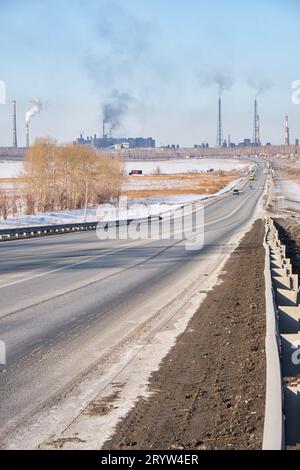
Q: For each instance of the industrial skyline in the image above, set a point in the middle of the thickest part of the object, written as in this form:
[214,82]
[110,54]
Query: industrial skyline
[162,90]
[106,138]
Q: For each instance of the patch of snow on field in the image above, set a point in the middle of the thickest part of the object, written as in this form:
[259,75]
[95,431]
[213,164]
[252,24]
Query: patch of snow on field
[10,169]
[291,192]
[184,166]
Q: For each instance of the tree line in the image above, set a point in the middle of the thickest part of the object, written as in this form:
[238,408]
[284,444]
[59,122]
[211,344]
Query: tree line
[57,178]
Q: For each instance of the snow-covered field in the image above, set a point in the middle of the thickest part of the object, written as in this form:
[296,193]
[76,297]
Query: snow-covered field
[185,166]
[137,209]
[291,192]
[10,169]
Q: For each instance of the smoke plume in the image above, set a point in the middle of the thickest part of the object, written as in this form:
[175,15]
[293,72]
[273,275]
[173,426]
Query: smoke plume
[116,108]
[36,108]
[261,86]
[217,76]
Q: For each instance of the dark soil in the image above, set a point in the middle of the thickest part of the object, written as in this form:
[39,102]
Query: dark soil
[209,392]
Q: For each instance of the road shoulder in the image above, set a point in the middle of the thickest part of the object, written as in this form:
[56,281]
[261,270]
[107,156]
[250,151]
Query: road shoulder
[209,392]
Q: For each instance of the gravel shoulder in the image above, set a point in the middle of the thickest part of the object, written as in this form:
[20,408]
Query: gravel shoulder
[209,392]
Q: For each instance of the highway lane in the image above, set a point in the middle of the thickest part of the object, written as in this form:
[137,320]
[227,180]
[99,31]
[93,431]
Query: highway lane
[68,299]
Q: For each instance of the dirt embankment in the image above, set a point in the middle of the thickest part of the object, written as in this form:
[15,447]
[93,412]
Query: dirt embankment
[210,390]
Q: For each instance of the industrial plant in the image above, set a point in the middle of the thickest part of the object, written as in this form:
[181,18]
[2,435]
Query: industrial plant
[247,142]
[108,142]
[111,121]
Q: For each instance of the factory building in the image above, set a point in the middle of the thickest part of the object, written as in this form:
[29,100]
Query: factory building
[117,143]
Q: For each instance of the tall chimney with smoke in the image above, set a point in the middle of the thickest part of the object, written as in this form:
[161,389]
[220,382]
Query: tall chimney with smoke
[15,138]
[36,108]
[287,131]
[103,129]
[220,125]
[258,129]
[27,135]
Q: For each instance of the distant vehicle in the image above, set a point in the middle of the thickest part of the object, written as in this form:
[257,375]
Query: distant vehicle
[250,187]
[136,173]
[261,187]
[236,192]
[251,178]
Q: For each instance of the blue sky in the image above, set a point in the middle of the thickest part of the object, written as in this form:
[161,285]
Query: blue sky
[164,54]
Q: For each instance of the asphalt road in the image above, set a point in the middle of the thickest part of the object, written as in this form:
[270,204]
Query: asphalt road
[67,299]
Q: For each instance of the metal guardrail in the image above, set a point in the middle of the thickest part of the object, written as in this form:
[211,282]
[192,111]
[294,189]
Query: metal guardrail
[48,230]
[274,438]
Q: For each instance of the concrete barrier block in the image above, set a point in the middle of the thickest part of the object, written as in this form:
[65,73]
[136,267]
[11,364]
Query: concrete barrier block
[279,272]
[287,298]
[277,264]
[292,413]
[290,351]
[289,319]
[282,282]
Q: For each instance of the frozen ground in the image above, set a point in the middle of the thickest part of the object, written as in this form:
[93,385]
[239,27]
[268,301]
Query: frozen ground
[137,208]
[10,169]
[184,166]
[291,192]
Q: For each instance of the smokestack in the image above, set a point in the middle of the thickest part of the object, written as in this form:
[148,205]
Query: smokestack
[27,135]
[15,139]
[258,129]
[103,132]
[220,125]
[287,131]
[255,140]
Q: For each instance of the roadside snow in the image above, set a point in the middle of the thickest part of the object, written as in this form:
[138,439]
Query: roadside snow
[138,208]
[105,212]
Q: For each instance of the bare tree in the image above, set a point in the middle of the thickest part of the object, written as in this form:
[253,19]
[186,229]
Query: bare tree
[68,177]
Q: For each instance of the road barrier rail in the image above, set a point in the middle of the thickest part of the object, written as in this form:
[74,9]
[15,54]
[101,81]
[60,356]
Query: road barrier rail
[282,418]
[48,230]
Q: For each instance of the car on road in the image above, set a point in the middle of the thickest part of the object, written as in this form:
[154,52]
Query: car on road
[236,192]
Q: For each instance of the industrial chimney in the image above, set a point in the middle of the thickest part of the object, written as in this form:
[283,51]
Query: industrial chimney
[27,135]
[15,139]
[220,125]
[287,131]
[258,129]
[255,139]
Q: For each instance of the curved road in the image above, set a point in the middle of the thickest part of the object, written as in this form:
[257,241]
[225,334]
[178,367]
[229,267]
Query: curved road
[66,300]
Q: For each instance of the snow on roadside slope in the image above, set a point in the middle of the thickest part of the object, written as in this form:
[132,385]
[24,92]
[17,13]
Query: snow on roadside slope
[137,209]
